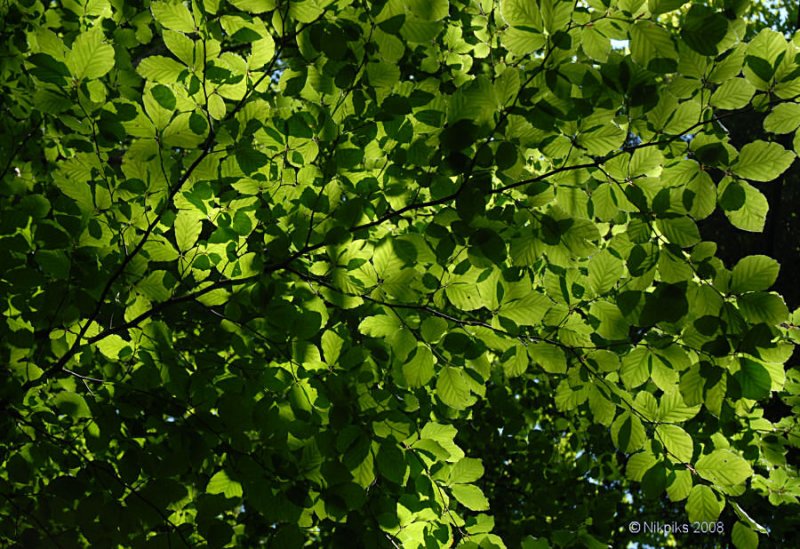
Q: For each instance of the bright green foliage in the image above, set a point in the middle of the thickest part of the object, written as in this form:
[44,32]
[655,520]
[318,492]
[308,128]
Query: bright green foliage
[291,273]
[755,272]
[703,504]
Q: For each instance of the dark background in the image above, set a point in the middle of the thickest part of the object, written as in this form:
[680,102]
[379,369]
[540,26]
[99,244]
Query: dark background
[781,237]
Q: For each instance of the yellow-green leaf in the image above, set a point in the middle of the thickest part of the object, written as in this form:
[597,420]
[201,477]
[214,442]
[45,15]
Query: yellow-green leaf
[90,57]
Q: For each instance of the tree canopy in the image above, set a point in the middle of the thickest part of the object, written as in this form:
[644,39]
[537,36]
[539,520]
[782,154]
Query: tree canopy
[392,273]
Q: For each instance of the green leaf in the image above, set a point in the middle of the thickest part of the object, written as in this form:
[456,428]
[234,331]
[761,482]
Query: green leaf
[188,226]
[522,40]
[173,15]
[667,303]
[418,371]
[506,86]
[628,433]
[452,388]
[391,462]
[743,537]
[686,116]
[522,13]
[703,505]
[796,142]
[733,94]
[646,406]
[754,379]
[332,345]
[636,367]
[602,409]
[703,29]
[221,483]
[762,56]
[657,7]
[262,52]
[487,244]
[465,471]
[475,102]
[254,6]
[428,10]
[178,133]
[752,215]
[602,140]
[754,273]
[611,323]
[181,45]
[527,311]
[723,468]
[763,307]
[638,464]
[470,497]
[382,75]
[605,270]
[198,124]
[732,195]
[72,404]
[679,485]
[160,69]
[380,326]
[433,328]
[758,71]
[646,162]
[111,346]
[48,69]
[652,47]
[153,287]
[242,223]
[604,360]
[89,56]
[164,96]
[516,364]
[682,231]
[783,118]
[443,435]
[762,161]
[672,408]
[595,44]
[463,296]
[677,441]
[549,357]
[712,153]
[305,12]
[249,159]
[654,481]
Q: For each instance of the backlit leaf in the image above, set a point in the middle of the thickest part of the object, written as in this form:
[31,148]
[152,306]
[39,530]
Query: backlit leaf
[733,94]
[90,57]
[419,369]
[173,15]
[221,483]
[677,441]
[743,537]
[754,272]
[470,497]
[762,161]
[724,468]
[703,504]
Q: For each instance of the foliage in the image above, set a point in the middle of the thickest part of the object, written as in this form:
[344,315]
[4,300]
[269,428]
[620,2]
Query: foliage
[774,14]
[337,272]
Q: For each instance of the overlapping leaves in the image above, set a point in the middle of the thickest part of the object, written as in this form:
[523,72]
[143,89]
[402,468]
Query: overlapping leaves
[268,258]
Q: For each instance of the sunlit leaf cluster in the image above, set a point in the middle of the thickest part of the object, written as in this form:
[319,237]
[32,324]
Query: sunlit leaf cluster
[343,273]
